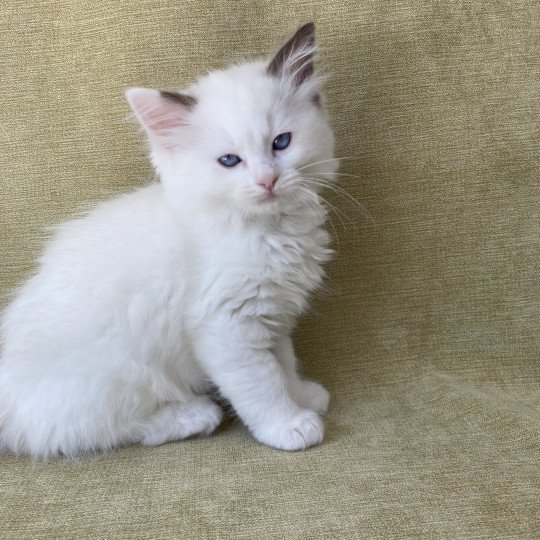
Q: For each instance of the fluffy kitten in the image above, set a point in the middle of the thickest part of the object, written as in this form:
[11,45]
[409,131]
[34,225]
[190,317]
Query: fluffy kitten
[142,306]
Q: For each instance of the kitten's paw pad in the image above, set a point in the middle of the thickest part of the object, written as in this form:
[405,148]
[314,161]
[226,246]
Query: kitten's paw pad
[314,396]
[304,430]
[182,420]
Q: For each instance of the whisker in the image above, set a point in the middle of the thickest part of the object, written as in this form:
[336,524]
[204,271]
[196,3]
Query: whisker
[340,214]
[336,174]
[327,160]
[339,190]
[327,205]
[335,209]
[335,236]
[315,205]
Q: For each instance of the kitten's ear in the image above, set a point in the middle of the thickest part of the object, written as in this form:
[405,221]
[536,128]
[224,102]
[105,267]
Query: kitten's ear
[162,114]
[294,60]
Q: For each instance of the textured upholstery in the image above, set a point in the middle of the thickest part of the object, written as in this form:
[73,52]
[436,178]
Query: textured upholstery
[428,336]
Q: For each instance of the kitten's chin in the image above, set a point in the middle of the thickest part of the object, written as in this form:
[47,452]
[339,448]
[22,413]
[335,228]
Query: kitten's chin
[264,204]
[268,198]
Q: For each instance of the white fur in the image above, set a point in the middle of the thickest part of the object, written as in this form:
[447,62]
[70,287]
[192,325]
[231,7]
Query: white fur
[144,304]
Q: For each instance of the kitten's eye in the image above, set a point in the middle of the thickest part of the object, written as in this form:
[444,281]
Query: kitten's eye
[229,160]
[281,141]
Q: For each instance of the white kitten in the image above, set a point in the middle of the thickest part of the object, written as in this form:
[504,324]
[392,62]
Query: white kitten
[143,305]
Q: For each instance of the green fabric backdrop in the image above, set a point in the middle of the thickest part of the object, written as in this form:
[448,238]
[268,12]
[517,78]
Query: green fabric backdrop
[428,338]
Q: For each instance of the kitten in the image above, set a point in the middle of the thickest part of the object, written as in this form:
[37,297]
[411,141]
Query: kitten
[144,305]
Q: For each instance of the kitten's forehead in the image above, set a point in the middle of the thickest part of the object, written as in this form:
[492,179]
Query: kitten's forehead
[242,97]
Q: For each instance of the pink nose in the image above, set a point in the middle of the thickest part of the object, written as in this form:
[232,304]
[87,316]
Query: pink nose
[268,182]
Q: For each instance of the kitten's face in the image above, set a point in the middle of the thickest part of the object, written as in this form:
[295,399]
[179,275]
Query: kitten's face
[252,137]
[248,137]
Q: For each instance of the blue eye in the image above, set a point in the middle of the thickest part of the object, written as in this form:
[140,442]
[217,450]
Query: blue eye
[229,160]
[281,141]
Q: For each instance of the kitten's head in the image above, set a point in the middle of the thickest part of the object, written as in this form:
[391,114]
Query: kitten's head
[247,137]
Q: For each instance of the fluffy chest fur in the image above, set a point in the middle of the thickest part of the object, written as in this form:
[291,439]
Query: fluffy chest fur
[262,271]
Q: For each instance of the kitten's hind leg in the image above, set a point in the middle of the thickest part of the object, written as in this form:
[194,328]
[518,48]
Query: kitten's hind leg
[175,421]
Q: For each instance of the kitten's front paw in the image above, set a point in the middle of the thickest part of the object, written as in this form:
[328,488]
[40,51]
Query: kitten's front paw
[313,395]
[304,430]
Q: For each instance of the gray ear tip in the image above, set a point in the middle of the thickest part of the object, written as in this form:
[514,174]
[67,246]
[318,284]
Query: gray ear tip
[295,57]
[307,29]
[183,99]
